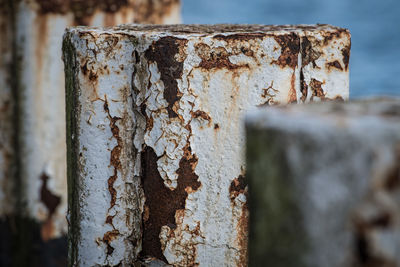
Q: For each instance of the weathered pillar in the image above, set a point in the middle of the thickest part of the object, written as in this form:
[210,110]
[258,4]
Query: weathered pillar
[7,140]
[33,186]
[324,184]
[156,160]
[38,78]
[40,26]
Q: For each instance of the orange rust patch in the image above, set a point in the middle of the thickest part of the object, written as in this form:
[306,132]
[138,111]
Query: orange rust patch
[329,36]
[201,114]
[240,36]
[82,9]
[290,47]
[308,53]
[114,158]
[216,58]
[303,87]
[161,202]
[316,89]
[346,56]
[51,202]
[292,98]
[47,230]
[164,52]
[151,12]
[334,64]
[269,94]
[238,186]
[243,230]
[108,238]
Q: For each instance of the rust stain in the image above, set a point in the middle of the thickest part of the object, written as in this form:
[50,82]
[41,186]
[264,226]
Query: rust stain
[201,114]
[164,52]
[239,186]
[329,36]
[216,58]
[243,231]
[292,98]
[303,87]
[240,36]
[162,203]
[153,11]
[346,56]
[316,89]
[334,64]
[114,158]
[269,93]
[81,9]
[51,202]
[188,256]
[308,53]
[108,238]
[290,47]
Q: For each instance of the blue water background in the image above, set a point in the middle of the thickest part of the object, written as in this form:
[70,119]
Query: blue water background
[374,25]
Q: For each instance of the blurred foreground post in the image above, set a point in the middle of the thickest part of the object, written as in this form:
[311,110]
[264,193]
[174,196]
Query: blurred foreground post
[32,106]
[324,184]
[155,139]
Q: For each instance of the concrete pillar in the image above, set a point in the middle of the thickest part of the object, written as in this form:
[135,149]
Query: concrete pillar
[156,147]
[324,184]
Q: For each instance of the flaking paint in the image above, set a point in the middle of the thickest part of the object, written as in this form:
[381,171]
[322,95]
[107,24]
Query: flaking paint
[189,88]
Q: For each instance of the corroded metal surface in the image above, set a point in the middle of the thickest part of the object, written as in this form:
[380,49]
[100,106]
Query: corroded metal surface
[180,93]
[39,29]
[324,184]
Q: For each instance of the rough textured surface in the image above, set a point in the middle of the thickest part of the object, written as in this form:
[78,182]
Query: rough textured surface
[40,26]
[33,184]
[324,184]
[186,88]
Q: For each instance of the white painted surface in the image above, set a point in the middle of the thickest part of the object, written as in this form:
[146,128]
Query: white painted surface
[211,230]
[42,102]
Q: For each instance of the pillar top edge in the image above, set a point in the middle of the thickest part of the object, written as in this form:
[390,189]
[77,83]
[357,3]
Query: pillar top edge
[211,29]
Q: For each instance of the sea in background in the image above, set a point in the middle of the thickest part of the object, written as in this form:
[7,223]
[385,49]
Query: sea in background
[374,26]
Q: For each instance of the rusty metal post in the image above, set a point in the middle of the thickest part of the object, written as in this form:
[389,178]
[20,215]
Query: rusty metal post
[324,184]
[156,146]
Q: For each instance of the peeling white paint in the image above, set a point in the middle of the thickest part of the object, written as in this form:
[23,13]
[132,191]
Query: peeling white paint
[42,101]
[214,91]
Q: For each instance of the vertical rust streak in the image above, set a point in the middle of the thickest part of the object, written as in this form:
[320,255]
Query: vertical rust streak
[163,52]
[162,203]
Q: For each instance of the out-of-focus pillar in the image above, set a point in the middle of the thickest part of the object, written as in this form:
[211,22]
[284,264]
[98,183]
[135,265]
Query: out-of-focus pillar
[324,184]
[155,152]
[39,29]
